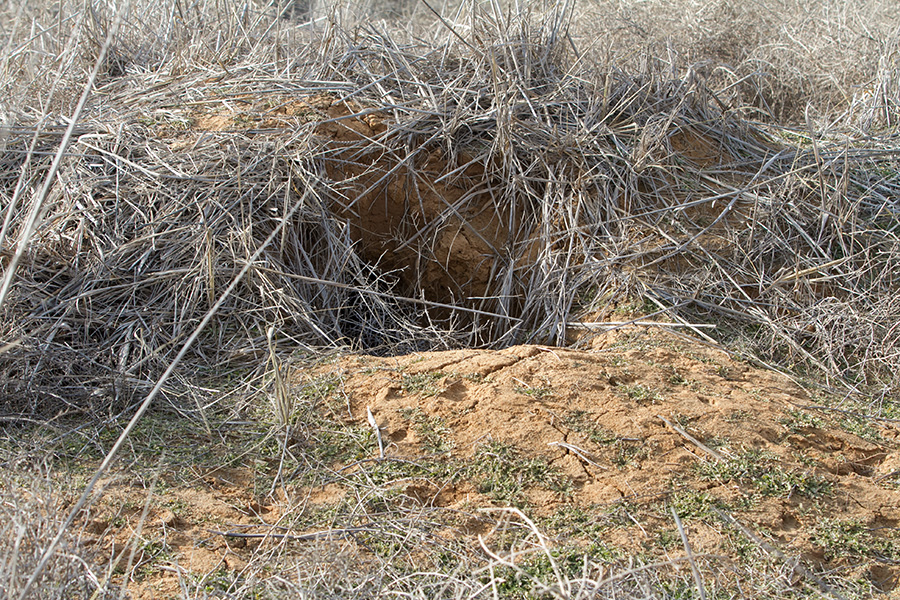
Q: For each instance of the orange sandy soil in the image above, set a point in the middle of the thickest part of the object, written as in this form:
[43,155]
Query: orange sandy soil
[635,425]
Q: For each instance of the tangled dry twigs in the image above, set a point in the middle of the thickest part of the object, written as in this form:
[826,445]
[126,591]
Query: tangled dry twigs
[487,188]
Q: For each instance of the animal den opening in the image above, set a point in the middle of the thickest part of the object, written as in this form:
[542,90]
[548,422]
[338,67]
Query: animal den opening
[427,221]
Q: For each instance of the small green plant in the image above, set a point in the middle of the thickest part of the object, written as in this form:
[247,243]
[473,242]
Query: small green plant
[851,538]
[692,504]
[534,392]
[629,453]
[318,388]
[636,306]
[676,377]
[601,552]
[641,393]
[583,422]
[862,427]
[890,481]
[798,419]
[216,582]
[615,361]
[574,521]
[504,474]
[738,416]
[668,539]
[343,444]
[431,430]
[762,470]
[537,571]
[701,358]
[167,120]
[424,384]
[156,547]
[382,472]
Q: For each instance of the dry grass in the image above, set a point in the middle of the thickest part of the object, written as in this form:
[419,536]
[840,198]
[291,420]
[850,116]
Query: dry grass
[612,171]
[773,57]
[607,184]
[30,512]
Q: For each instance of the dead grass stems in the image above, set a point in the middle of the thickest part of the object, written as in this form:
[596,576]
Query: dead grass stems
[600,183]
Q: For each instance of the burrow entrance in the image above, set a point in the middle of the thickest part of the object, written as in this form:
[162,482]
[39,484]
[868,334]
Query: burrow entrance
[429,219]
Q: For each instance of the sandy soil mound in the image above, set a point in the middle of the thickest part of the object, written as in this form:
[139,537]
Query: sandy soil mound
[649,421]
[598,447]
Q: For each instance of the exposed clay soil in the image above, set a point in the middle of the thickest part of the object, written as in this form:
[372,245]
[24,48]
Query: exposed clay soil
[604,419]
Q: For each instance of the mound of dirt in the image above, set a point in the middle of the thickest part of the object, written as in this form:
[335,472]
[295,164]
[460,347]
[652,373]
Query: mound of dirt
[620,435]
[638,423]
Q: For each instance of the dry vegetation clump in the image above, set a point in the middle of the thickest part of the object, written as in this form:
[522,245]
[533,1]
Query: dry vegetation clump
[777,58]
[30,511]
[361,188]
